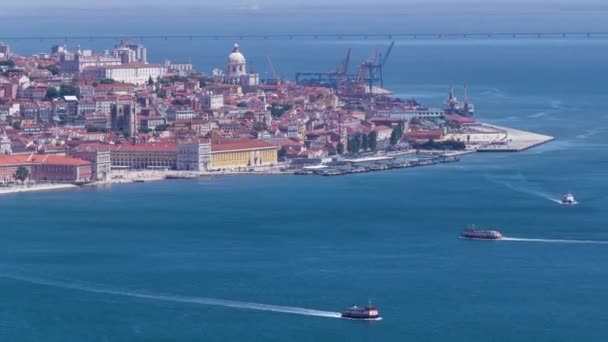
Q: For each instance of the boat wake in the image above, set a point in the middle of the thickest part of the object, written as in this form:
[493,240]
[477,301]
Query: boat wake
[527,190]
[588,242]
[175,298]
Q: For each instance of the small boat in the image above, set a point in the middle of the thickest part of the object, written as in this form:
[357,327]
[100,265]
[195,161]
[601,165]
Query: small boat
[568,199]
[368,313]
[480,234]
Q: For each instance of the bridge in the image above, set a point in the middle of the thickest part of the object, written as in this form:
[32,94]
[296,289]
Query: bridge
[328,36]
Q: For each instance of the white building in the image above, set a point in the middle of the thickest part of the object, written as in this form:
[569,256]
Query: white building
[140,53]
[5,50]
[212,101]
[180,113]
[76,63]
[236,69]
[194,156]
[407,114]
[136,73]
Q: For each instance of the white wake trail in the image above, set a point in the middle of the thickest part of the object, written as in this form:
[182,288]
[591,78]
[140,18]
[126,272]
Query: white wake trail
[528,191]
[176,298]
[592,242]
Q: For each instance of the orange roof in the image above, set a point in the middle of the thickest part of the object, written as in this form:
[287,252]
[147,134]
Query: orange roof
[151,147]
[41,159]
[242,144]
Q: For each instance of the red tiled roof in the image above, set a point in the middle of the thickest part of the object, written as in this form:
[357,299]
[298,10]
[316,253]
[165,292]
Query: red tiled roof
[152,147]
[41,159]
[243,144]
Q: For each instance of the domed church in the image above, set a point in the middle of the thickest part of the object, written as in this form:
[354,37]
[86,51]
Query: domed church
[236,69]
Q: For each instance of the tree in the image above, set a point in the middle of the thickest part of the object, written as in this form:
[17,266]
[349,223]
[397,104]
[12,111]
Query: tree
[63,119]
[51,93]
[397,133]
[53,69]
[242,104]
[107,81]
[22,173]
[260,126]
[364,142]
[282,153]
[395,136]
[9,63]
[340,148]
[16,124]
[161,128]
[358,142]
[150,81]
[126,132]
[68,90]
[178,102]
[94,129]
[372,139]
[162,94]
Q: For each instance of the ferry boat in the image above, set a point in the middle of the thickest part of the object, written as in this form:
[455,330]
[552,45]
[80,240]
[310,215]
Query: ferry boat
[369,313]
[480,234]
[568,199]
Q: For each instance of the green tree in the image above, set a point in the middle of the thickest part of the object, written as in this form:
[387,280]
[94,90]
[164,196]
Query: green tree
[358,142]
[150,81]
[51,93]
[126,132]
[161,128]
[162,94]
[68,90]
[54,69]
[372,139]
[260,126]
[22,173]
[282,153]
[364,142]
[16,124]
[242,104]
[340,148]
[107,81]
[178,102]
[9,63]
[93,129]
[63,119]
[395,136]
[397,133]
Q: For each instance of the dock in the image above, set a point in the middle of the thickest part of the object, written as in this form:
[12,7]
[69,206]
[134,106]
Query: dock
[514,140]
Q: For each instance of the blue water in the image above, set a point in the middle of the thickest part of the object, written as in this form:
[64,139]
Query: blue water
[152,261]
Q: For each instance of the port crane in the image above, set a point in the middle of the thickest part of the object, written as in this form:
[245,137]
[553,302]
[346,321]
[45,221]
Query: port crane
[371,71]
[276,76]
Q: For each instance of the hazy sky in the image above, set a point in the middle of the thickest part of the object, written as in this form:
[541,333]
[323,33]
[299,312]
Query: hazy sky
[262,4]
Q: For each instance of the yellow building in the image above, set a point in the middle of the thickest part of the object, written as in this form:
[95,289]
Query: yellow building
[242,153]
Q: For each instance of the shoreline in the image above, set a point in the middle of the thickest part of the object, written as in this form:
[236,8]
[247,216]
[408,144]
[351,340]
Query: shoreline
[514,140]
[32,188]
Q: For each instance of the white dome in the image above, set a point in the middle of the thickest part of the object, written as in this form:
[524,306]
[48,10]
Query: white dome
[236,57]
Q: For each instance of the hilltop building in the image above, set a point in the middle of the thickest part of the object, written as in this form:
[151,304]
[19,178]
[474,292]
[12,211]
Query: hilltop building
[236,69]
